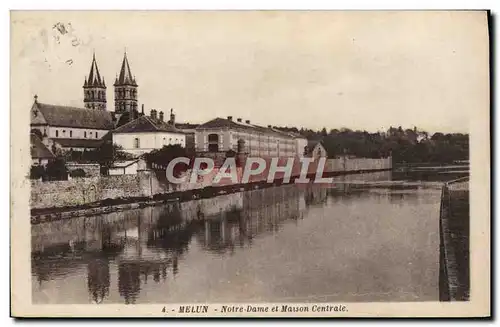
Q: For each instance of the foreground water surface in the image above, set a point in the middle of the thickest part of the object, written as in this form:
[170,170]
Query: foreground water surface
[280,244]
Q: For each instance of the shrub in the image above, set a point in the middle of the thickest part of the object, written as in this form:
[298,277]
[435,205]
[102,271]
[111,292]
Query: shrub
[37,172]
[56,170]
[77,173]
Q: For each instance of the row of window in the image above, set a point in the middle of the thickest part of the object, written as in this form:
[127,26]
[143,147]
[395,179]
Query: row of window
[270,145]
[124,93]
[262,150]
[267,148]
[96,95]
[123,106]
[262,138]
[71,134]
[137,142]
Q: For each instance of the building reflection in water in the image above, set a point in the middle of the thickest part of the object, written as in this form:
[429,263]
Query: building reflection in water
[148,244]
[98,279]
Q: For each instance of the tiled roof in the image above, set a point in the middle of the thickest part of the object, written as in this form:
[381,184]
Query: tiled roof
[186,125]
[124,118]
[38,149]
[65,116]
[147,124]
[217,123]
[221,122]
[79,143]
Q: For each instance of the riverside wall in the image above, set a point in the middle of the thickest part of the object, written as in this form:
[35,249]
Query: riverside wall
[148,183]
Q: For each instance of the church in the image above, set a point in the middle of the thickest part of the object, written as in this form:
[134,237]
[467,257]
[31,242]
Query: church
[86,128]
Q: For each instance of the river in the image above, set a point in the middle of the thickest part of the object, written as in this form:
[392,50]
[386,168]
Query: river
[292,243]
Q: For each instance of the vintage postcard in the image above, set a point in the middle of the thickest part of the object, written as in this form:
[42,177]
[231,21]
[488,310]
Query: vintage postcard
[250,164]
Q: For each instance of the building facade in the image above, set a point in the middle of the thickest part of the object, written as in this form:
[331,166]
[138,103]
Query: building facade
[188,129]
[222,135]
[300,144]
[315,149]
[147,133]
[70,128]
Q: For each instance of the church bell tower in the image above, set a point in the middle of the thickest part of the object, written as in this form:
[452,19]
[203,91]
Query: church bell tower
[125,90]
[94,89]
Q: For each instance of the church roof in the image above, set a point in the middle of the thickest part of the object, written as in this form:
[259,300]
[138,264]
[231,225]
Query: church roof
[125,77]
[65,116]
[94,78]
[146,124]
[38,149]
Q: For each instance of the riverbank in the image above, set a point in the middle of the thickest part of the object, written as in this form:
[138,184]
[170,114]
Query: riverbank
[454,232]
[40,215]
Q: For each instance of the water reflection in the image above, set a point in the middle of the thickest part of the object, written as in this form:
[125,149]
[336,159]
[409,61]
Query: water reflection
[121,252]
[98,279]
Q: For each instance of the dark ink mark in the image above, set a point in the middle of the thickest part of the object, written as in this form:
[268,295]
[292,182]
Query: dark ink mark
[75,42]
[61,28]
[69,61]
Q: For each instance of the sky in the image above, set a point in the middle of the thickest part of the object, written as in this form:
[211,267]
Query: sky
[313,69]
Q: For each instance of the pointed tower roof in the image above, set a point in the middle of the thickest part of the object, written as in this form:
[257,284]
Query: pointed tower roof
[94,75]
[125,77]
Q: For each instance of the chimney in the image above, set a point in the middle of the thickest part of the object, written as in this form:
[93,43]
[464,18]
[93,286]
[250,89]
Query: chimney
[172,117]
[153,113]
[230,118]
[239,120]
[142,110]
[247,121]
[36,98]
[161,115]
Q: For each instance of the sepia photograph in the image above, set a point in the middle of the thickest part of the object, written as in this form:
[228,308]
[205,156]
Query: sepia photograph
[250,163]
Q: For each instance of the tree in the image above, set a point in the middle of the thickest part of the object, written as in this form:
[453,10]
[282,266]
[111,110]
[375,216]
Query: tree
[37,172]
[163,156]
[323,132]
[56,169]
[105,155]
[37,133]
[77,173]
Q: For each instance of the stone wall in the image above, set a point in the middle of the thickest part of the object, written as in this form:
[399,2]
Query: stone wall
[79,191]
[357,164]
[147,183]
[91,170]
